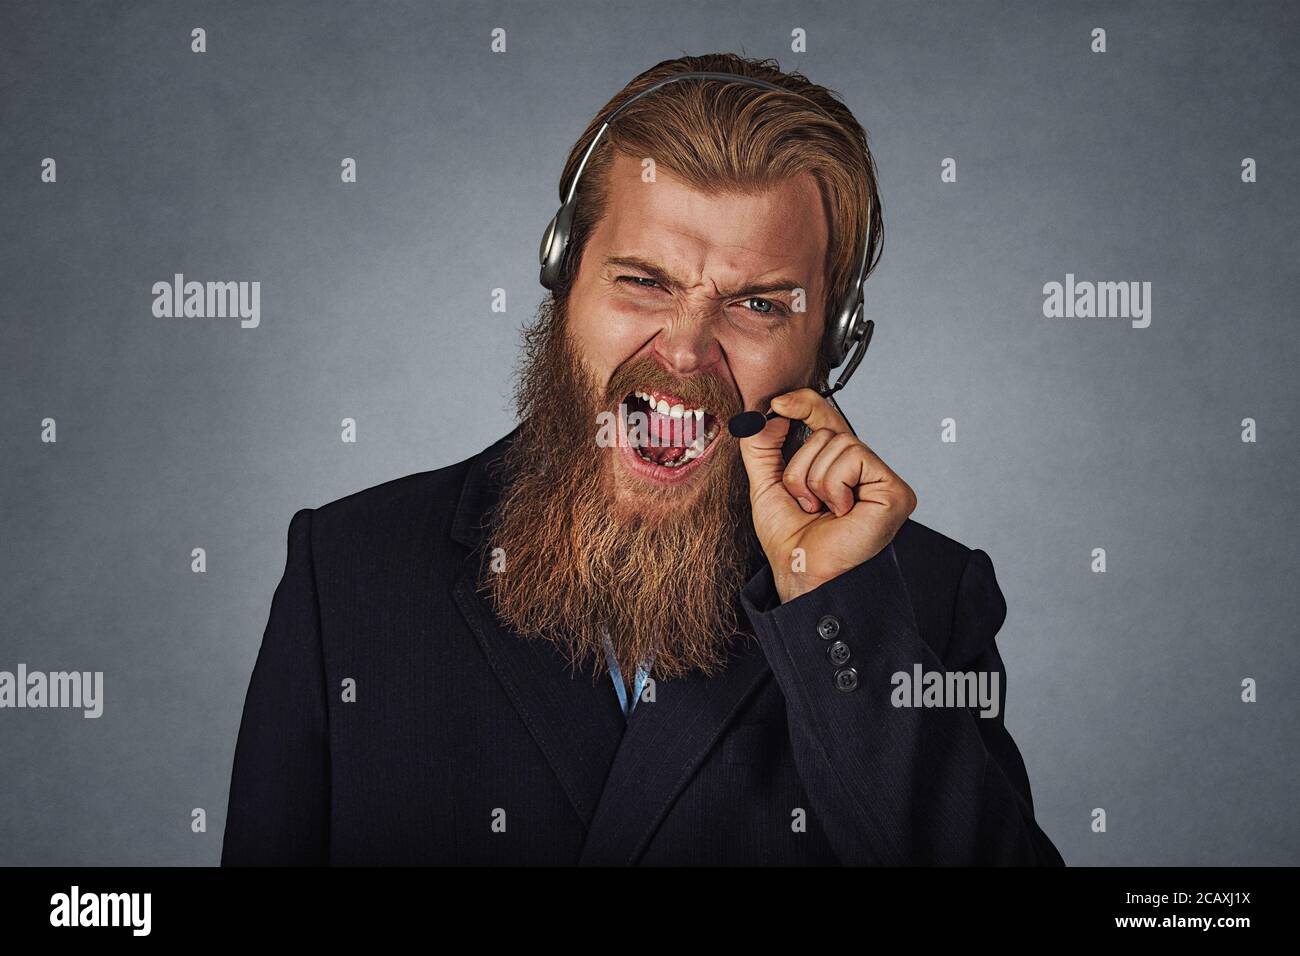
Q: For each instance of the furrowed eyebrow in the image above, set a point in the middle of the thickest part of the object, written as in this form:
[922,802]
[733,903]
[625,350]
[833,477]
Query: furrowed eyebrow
[663,278]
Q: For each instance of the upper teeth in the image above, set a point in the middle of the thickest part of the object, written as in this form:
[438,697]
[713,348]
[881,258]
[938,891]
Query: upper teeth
[663,408]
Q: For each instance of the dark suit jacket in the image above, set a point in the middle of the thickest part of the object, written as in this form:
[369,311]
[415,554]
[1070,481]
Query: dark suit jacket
[468,744]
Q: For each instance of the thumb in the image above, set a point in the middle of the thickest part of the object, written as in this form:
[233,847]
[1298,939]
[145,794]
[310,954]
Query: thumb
[761,454]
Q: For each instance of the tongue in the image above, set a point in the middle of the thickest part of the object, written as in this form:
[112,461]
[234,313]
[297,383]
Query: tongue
[662,456]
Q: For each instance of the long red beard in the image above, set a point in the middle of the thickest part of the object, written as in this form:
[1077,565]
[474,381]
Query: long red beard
[658,570]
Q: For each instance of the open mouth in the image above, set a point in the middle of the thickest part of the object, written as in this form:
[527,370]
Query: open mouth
[666,431]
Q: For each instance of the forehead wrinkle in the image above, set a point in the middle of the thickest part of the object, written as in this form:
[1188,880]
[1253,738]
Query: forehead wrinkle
[686,239]
[779,276]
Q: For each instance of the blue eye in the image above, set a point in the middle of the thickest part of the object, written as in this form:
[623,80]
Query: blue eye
[766,307]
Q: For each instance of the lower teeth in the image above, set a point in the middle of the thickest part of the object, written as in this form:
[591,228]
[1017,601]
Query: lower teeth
[695,451]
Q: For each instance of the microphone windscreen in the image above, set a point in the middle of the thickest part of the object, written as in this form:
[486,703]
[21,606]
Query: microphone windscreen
[746,424]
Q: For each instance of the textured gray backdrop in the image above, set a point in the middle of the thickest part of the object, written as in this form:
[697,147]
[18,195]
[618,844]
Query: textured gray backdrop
[1124,687]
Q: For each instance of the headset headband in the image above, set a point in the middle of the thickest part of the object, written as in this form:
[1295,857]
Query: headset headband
[849,329]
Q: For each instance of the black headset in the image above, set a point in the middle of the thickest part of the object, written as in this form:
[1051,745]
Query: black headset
[851,331]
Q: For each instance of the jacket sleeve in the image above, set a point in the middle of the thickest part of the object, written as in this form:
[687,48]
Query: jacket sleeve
[278,813]
[898,784]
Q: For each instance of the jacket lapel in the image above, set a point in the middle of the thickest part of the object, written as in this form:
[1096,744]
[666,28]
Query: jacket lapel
[665,743]
[573,716]
[621,776]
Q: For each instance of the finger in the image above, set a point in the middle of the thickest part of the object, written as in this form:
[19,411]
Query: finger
[796,473]
[807,406]
[834,475]
[876,480]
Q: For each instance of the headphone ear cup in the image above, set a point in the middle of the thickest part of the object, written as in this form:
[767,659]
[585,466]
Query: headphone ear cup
[848,330]
[840,342]
[555,243]
[856,326]
[544,254]
[544,250]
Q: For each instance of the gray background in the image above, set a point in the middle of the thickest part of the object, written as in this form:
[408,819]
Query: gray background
[172,434]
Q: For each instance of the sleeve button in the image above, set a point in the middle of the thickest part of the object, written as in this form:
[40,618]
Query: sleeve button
[839,653]
[829,627]
[846,679]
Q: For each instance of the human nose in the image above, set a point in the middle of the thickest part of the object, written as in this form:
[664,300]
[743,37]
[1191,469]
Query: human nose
[688,343]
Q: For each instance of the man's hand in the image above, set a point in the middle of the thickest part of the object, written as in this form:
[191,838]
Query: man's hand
[833,507]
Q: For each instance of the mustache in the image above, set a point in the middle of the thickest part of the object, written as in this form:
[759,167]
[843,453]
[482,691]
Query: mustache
[702,391]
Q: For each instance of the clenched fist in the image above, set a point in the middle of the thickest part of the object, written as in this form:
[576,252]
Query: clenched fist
[835,500]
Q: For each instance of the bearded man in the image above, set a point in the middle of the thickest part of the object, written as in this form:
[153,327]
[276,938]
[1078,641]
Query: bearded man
[620,635]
